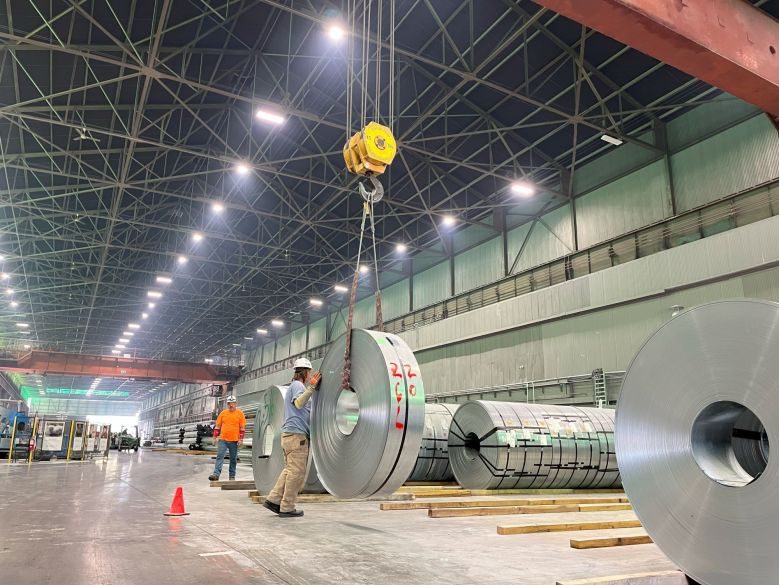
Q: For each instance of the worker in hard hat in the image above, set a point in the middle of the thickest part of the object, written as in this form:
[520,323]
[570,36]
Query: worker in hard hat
[295,440]
[229,432]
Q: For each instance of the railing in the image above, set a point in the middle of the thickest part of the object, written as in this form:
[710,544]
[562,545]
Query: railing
[730,212]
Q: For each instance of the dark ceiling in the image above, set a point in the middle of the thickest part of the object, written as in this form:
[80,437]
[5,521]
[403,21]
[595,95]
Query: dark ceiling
[122,122]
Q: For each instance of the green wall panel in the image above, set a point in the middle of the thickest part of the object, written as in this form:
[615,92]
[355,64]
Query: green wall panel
[395,300]
[478,266]
[729,162]
[282,347]
[616,162]
[267,353]
[298,342]
[548,240]
[628,203]
[317,332]
[431,286]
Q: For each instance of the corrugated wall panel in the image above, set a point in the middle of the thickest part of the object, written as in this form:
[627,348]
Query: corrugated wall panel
[317,332]
[431,286]
[631,202]
[282,347]
[267,353]
[478,266]
[614,163]
[395,300]
[706,120]
[339,323]
[548,240]
[253,358]
[298,341]
[734,160]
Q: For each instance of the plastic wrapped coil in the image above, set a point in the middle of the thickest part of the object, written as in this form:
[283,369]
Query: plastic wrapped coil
[698,407]
[267,454]
[366,442]
[433,459]
[508,445]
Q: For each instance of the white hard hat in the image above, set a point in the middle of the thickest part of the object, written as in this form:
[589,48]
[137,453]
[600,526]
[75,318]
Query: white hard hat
[231,398]
[302,363]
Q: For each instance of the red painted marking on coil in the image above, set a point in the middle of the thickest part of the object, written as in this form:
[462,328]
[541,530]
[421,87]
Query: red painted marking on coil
[399,398]
[412,390]
[409,372]
[394,368]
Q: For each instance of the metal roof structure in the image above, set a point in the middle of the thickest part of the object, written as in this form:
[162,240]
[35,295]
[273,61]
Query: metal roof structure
[124,125]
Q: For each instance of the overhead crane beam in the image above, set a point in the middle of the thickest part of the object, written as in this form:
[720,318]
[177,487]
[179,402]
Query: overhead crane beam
[101,366]
[729,44]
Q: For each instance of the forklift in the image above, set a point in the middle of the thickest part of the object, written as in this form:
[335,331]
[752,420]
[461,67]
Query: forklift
[125,441]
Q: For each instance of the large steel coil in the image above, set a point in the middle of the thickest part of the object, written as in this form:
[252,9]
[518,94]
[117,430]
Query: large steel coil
[366,441]
[506,445]
[433,459]
[267,454]
[698,407]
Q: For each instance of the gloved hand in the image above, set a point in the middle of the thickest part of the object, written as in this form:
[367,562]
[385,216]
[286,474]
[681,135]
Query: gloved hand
[313,381]
[216,436]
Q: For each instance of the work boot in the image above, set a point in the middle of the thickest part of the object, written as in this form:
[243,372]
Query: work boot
[232,479]
[213,477]
[290,514]
[271,506]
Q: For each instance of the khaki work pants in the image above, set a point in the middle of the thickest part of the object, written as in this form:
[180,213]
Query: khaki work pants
[293,476]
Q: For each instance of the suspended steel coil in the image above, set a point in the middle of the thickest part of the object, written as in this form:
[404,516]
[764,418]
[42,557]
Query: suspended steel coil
[506,445]
[267,454]
[698,406]
[366,442]
[433,459]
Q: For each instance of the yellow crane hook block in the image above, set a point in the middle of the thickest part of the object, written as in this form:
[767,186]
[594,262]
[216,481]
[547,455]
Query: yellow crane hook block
[371,150]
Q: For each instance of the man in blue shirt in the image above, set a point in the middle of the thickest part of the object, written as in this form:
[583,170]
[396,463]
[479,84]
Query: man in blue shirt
[294,441]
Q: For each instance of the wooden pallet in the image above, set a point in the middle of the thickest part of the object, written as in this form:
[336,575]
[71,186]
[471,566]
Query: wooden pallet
[328,498]
[544,492]
[609,541]
[654,578]
[500,503]
[508,510]
[233,485]
[567,526]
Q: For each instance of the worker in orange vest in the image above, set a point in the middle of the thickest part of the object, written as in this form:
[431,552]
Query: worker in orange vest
[229,432]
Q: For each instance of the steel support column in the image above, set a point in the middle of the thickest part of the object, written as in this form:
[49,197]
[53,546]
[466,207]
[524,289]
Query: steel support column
[729,43]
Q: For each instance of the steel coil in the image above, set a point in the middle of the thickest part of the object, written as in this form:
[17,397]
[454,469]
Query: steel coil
[366,442]
[267,454]
[698,407]
[433,459]
[506,445]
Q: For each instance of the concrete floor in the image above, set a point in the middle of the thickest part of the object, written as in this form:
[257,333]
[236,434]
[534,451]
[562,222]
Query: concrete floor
[101,523]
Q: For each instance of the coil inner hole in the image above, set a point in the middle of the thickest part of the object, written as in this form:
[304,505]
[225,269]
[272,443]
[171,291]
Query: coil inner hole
[347,411]
[730,444]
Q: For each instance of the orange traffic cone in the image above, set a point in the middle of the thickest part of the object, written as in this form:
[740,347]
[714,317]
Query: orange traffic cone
[177,506]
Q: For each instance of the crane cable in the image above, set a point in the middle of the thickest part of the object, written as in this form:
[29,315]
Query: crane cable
[370,199]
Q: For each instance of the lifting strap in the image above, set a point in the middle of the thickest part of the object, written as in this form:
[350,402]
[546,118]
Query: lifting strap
[367,210]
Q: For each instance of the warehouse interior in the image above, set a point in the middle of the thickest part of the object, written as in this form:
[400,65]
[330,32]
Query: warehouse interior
[538,240]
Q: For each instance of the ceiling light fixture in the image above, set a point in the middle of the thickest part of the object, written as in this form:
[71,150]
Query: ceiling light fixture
[448,220]
[115,351]
[23,325]
[277,323]
[262,331]
[217,207]
[611,139]
[14,304]
[182,260]
[197,236]
[522,189]
[119,346]
[401,248]
[151,305]
[133,326]
[3,276]
[267,116]
[316,302]
[363,269]
[25,346]
[242,169]
[9,291]
[154,294]
[164,279]
[128,333]
[124,340]
[208,361]
[144,315]
[336,32]
[339,288]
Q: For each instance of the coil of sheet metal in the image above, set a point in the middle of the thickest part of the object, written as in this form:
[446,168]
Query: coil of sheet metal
[433,459]
[267,454]
[507,445]
[366,441]
[698,406]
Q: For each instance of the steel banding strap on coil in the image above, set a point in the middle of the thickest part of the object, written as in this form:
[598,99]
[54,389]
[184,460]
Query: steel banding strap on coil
[267,454]
[433,460]
[698,406]
[366,442]
[506,445]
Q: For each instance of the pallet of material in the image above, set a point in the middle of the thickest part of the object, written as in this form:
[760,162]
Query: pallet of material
[566,526]
[609,541]
[508,510]
[501,503]
[327,498]
[654,578]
